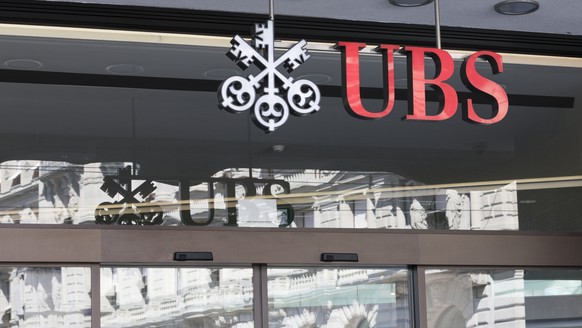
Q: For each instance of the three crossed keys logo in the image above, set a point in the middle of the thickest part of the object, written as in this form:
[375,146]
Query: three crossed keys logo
[129,210]
[272,95]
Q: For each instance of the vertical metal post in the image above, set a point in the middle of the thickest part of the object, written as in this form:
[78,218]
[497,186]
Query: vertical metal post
[95,296]
[272,10]
[133,133]
[260,297]
[437,23]
[419,307]
[250,148]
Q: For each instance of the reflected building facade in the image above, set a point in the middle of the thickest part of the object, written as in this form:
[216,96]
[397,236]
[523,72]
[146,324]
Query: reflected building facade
[62,193]
[39,192]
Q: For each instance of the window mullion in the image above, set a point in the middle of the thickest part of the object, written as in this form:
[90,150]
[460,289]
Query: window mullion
[96,296]
[260,299]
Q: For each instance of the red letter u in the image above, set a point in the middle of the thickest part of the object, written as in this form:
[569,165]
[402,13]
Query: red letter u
[351,79]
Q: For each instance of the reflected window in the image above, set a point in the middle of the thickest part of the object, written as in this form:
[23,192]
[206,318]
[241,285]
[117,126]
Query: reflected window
[176,297]
[338,297]
[503,297]
[45,297]
[58,192]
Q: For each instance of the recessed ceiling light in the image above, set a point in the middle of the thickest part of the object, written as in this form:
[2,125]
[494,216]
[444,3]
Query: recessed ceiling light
[410,3]
[124,69]
[278,148]
[23,64]
[517,7]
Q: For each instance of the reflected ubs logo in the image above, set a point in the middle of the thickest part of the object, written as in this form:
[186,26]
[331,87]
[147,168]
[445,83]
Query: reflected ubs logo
[272,95]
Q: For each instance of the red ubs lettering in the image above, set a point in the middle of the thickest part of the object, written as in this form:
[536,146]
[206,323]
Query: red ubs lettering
[417,82]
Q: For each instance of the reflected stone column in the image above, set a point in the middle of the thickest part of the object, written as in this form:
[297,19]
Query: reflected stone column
[495,209]
[162,292]
[40,296]
[476,210]
[194,289]
[45,206]
[107,291]
[17,296]
[346,216]
[364,214]
[166,196]
[4,294]
[52,208]
[129,282]
[58,193]
[90,193]
[457,210]
[400,219]
[418,216]
[75,296]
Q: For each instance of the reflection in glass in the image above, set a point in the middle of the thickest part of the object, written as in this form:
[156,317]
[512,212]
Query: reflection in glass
[60,139]
[504,298]
[51,192]
[58,192]
[176,297]
[337,298]
[45,297]
[382,200]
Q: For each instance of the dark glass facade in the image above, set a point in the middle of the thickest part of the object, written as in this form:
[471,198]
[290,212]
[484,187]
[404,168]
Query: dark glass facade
[130,199]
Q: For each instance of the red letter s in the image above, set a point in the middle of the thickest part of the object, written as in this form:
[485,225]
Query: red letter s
[480,85]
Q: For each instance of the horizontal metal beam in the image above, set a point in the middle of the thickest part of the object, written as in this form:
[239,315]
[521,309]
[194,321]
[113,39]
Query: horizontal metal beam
[119,245]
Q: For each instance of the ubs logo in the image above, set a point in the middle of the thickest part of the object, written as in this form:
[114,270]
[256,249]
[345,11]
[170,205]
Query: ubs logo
[272,94]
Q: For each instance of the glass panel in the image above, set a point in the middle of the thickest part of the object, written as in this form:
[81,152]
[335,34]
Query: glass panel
[73,119]
[504,298]
[176,297]
[334,297]
[45,297]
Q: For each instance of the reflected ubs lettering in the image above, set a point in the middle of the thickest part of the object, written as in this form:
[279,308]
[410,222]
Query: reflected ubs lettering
[133,207]
[250,187]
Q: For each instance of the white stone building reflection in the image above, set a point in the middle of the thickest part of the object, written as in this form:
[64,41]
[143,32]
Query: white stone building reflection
[45,297]
[176,297]
[61,193]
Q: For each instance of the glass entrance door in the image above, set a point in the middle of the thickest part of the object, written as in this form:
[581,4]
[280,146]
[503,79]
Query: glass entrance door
[45,296]
[176,297]
[180,297]
[338,297]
